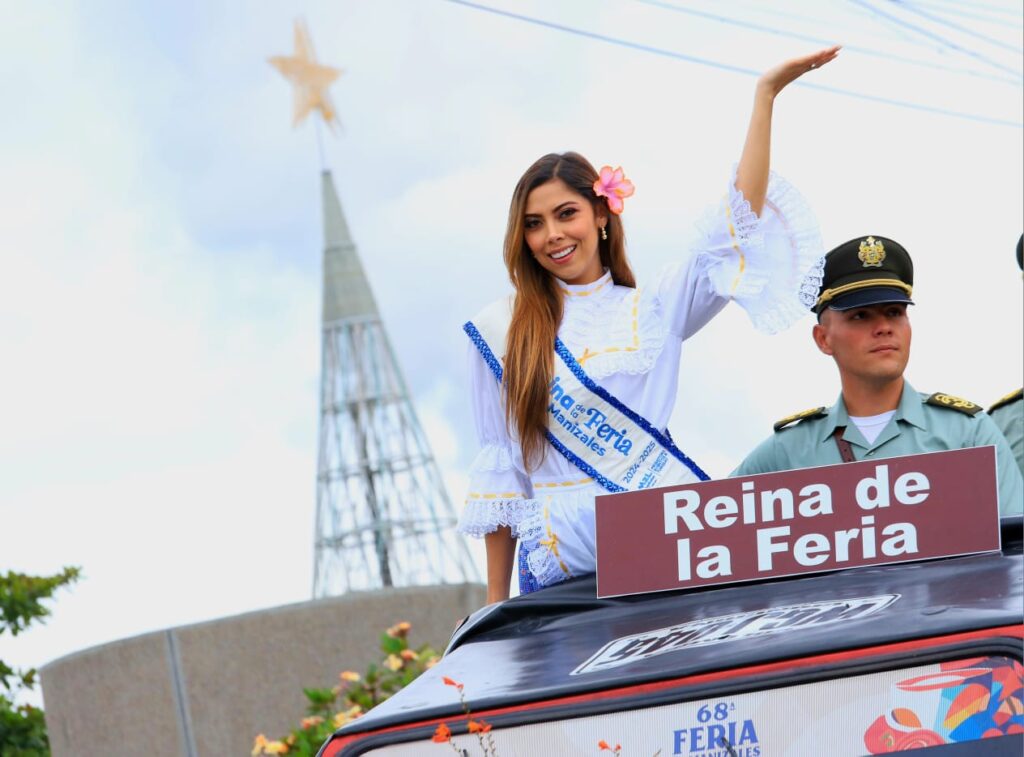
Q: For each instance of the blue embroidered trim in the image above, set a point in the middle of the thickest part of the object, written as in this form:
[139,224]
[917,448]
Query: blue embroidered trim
[495,366]
[485,349]
[577,370]
[527,581]
[584,466]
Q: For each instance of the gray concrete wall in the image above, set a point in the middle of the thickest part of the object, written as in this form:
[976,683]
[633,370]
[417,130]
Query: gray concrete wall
[208,689]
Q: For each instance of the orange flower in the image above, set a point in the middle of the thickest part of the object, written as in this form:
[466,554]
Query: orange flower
[347,716]
[393,663]
[408,654]
[399,630]
[479,726]
[442,734]
[449,682]
[311,721]
[257,747]
[350,676]
[262,746]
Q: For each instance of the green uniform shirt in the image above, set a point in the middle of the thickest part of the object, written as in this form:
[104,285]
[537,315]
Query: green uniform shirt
[1009,417]
[915,427]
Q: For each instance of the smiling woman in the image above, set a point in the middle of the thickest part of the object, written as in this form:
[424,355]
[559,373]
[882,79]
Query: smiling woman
[561,230]
[574,376]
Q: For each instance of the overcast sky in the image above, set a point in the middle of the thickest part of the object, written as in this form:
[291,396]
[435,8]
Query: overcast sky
[161,241]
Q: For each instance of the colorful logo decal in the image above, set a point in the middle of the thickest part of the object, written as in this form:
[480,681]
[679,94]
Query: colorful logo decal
[744,625]
[965,700]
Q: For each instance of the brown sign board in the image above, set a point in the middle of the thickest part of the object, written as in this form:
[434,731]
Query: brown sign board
[811,520]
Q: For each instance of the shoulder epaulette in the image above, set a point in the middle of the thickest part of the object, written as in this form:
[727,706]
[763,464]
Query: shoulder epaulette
[816,412]
[1011,397]
[954,403]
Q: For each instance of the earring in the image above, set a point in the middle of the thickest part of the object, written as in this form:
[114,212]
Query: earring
[604,233]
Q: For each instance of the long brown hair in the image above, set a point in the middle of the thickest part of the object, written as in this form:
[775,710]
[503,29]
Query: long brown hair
[537,311]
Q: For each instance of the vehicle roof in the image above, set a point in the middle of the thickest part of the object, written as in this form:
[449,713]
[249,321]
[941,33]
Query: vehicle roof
[562,640]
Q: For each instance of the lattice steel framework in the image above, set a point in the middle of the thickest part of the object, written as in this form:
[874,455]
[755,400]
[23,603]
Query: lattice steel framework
[383,517]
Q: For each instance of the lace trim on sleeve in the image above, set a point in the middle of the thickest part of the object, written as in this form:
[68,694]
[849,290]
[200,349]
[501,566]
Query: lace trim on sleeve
[482,516]
[746,226]
[778,271]
[811,284]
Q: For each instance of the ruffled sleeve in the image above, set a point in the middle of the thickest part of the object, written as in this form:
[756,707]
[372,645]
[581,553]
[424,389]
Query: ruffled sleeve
[499,492]
[770,265]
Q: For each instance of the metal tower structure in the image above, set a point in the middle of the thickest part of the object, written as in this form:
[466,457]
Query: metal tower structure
[383,517]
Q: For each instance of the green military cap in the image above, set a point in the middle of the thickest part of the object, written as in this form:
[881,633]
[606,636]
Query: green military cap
[865,271]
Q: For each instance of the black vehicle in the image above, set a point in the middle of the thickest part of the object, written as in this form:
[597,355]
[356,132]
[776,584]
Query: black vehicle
[871,660]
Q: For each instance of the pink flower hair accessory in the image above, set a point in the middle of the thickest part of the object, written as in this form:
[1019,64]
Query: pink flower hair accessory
[613,185]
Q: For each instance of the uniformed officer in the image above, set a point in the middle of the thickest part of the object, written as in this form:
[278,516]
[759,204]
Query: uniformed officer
[1008,413]
[863,325]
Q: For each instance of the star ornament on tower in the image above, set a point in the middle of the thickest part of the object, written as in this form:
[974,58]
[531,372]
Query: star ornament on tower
[309,79]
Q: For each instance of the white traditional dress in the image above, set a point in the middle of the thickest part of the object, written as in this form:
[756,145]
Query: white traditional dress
[629,342]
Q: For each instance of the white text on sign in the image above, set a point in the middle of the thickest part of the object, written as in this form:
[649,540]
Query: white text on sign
[685,509]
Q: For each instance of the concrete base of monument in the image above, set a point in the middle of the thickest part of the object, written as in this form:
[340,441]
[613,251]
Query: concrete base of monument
[209,688]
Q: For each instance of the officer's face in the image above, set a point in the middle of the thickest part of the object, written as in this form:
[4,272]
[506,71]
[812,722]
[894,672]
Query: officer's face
[870,343]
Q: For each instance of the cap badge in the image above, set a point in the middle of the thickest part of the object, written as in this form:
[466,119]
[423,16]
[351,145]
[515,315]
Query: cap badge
[872,253]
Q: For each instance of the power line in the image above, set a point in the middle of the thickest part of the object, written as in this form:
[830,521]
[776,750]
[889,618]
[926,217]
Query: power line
[819,40]
[775,10]
[932,35]
[974,16]
[944,5]
[904,35]
[953,25]
[604,38]
[727,66]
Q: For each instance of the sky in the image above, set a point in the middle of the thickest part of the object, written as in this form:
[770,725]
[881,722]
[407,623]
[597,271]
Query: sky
[160,234]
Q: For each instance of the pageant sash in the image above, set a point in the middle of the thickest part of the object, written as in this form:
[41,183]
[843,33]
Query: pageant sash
[597,433]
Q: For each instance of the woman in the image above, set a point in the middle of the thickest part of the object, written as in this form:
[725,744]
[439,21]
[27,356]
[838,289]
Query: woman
[559,426]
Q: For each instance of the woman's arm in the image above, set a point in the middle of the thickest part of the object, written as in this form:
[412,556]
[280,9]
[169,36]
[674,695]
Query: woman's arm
[501,548]
[767,262]
[752,172]
[499,493]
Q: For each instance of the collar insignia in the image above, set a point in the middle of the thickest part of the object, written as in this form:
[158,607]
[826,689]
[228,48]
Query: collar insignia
[872,253]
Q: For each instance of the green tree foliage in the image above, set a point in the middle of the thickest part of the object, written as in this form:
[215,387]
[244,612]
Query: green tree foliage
[22,727]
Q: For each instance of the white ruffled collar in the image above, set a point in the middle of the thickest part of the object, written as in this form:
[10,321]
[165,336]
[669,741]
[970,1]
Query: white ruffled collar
[599,288]
[615,330]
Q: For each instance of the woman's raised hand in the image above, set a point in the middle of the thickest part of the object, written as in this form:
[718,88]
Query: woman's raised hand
[775,79]
[752,171]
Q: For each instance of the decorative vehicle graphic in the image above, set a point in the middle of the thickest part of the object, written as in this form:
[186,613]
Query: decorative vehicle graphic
[870,660]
